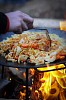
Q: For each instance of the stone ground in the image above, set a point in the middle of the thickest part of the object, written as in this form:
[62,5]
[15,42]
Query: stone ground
[39,8]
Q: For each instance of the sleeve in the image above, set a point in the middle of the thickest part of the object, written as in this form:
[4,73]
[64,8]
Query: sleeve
[4,23]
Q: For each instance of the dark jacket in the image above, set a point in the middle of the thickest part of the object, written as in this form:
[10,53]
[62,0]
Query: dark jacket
[4,23]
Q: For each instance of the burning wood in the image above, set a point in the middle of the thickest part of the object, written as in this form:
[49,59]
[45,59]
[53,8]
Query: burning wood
[53,84]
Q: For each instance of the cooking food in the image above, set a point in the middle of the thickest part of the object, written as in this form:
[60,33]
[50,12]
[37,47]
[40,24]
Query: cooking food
[33,47]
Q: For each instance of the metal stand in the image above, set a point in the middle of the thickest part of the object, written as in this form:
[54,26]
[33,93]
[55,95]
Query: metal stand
[27,84]
[27,69]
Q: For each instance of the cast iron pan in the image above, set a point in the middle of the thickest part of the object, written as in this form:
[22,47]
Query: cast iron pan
[3,61]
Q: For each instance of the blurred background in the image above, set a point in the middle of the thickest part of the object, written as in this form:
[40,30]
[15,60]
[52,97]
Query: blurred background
[36,8]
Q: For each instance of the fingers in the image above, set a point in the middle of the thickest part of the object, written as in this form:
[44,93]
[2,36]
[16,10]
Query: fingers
[30,25]
[18,31]
[21,27]
[26,18]
[24,25]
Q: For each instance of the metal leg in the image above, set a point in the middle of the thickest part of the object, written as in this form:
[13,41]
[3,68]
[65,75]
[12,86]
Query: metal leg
[27,84]
[2,75]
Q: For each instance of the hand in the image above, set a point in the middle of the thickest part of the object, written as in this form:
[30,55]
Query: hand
[19,21]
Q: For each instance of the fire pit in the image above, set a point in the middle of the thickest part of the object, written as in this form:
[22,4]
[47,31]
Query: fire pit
[47,82]
[44,86]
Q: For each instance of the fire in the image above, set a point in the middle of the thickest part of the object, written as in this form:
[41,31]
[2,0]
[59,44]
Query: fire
[53,82]
[22,95]
[63,25]
[17,69]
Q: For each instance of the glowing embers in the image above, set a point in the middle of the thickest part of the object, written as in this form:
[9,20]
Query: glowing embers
[53,83]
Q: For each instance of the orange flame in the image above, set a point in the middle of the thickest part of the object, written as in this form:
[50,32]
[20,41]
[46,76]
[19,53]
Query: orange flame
[63,25]
[51,80]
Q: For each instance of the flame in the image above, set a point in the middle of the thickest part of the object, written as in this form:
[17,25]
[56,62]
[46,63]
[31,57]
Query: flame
[22,95]
[17,69]
[10,79]
[63,25]
[52,79]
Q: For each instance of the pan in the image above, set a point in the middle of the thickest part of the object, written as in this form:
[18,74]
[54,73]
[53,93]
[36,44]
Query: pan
[3,61]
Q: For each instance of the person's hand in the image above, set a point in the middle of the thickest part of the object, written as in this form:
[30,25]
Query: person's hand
[19,21]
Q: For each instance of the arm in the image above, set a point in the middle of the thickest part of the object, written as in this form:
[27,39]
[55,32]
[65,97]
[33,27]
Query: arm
[4,23]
